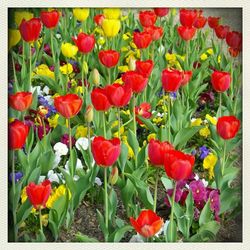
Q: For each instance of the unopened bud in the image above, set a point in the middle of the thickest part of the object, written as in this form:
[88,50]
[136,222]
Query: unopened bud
[131,64]
[113,176]
[89,114]
[96,77]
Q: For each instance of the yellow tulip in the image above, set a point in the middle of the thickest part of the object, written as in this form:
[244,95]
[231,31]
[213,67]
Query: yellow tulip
[111,27]
[112,13]
[69,50]
[14,38]
[81,14]
[20,15]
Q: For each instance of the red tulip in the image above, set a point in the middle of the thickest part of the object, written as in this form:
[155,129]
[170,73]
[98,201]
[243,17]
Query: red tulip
[18,132]
[68,105]
[156,32]
[20,101]
[119,95]
[178,165]
[147,18]
[213,22]
[136,81]
[227,127]
[186,33]
[233,52]
[186,77]
[144,67]
[220,81]
[160,12]
[50,19]
[157,151]
[30,30]
[39,194]
[99,98]
[109,58]
[200,22]
[221,31]
[84,42]
[144,111]
[105,152]
[98,19]
[171,80]
[187,17]
[142,39]
[147,224]
[234,40]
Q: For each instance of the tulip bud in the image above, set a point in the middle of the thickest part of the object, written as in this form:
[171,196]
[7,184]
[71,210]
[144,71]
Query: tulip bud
[131,64]
[96,77]
[85,68]
[113,176]
[89,114]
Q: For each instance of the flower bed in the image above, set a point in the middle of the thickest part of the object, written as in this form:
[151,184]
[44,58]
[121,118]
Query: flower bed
[134,117]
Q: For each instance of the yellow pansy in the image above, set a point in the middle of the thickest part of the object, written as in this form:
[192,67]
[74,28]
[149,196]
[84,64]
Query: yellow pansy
[219,59]
[205,132]
[69,50]
[151,136]
[210,51]
[209,163]
[157,120]
[196,122]
[125,37]
[45,220]
[98,30]
[203,57]
[81,14]
[66,69]
[44,70]
[170,57]
[130,150]
[82,131]
[20,15]
[126,112]
[132,44]
[112,13]
[213,120]
[53,121]
[79,89]
[119,80]
[124,49]
[101,40]
[14,37]
[57,193]
[111,27]
[123,68]
[115,124]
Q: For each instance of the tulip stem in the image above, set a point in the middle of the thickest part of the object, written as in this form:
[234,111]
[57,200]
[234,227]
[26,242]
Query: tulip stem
[169,122]
[70,149]
[40,219]
[106,197]
[104,124]
[14,192]
[224,158]
[83,78]
[156,186]
[30,66]
[220,105]
[119,122]
[109,75]
[134,103]
[14,71]
[172,211]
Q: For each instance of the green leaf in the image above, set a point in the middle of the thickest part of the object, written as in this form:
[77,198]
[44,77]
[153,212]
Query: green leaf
[167,183]
[148,124]
[46,162]
[102,224]
[23,212]
[206,214]
[172,231]
[84,238]
[184,135]
[132,140]
[142,155]
[34,176]
[123,157]
[117,235]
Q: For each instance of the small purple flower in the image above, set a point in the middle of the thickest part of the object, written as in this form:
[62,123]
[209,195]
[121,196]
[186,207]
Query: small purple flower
[181,184]
[65,140]
[40,131]
[204,151]
[198,190]
[47,49]
[178,195]
[193,152]
[215,201]
[196,214]
[173,95]
[18,176]
[52,68]
[42,101]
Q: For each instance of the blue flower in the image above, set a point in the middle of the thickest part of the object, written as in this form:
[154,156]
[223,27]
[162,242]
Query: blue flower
[18,176]
[42,101]
[204,151]
[173,95]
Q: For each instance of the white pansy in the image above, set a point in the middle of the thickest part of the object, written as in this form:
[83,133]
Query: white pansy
[56,160]
[98,181]
[37,89]
[205,182]
[41,178]
[78,164]
[46,90]
[52,176]
[196,177]
[49,99]
[60,148]
[83,143]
